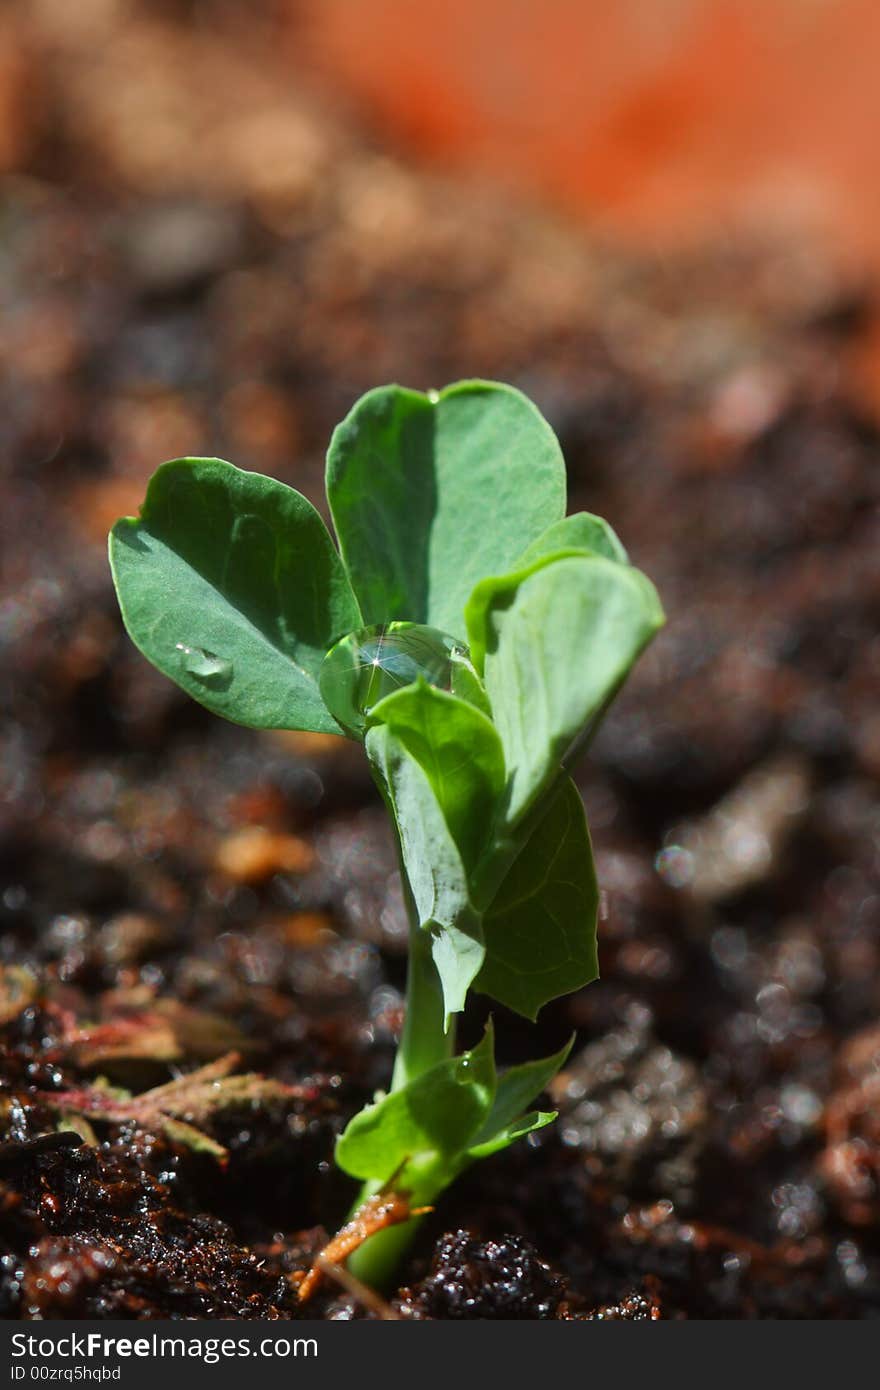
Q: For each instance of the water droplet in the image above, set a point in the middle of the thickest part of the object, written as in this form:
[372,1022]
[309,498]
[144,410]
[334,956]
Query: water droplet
[675,865]
[205,665]
[433,396]
[365,666]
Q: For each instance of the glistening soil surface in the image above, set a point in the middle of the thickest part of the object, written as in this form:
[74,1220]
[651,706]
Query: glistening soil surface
[202,934]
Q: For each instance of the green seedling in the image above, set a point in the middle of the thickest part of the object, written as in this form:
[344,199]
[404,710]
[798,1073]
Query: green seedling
[470,636]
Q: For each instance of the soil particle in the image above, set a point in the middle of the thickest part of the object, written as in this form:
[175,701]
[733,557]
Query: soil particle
[143,1256]
[636,1307]
[635,1111]
[470,1278]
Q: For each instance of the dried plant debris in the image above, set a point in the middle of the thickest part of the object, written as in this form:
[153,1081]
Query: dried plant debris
[739,842]
[18,990]
[849,1165]
[181,1107]
[167,1031]
[634,1111]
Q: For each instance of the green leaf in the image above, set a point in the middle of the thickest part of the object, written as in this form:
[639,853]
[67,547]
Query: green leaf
[540,931]
[458,749]
[431,492]
[582,531]
[498,588]
[558,640]
[518,1087]
[433,865]
[230,584]
[517,1129]
[432,1118]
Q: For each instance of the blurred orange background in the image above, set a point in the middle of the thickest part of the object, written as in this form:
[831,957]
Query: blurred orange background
[660,120]
[662,123]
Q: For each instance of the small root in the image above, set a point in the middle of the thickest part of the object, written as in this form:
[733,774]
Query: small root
[376,1214]
[367,1297]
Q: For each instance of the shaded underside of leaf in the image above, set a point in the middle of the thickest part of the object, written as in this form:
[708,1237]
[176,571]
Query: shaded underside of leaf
[540,931]
[409,478]
[433,865]
[230,584]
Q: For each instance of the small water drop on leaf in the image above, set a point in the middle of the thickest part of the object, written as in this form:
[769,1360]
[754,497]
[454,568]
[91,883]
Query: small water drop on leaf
[205,665]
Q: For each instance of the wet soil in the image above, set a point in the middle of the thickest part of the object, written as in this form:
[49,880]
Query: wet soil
[201,932]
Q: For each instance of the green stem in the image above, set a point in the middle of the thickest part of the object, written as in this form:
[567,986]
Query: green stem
[424,1041]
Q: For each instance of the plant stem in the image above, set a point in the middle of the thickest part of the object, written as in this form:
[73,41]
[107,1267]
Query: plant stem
[423,1043]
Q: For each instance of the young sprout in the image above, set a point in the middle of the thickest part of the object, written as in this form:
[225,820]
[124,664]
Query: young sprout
[470,635]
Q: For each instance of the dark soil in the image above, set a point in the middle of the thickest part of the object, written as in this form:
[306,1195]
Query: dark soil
[184,901]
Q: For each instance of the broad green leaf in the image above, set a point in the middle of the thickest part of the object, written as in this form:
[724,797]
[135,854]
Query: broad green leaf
[540,931]
[499,589]
[516,1129]
[434,1117]
[433,867]
[518,1087]
[582,531]
[558,642]
[230,584]
[431,492]
[458,749]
